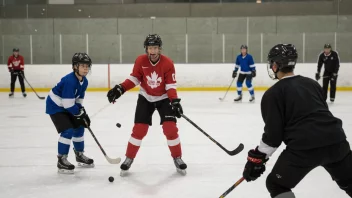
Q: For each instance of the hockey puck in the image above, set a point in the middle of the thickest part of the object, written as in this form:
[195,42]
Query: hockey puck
[111,179]
[118,125]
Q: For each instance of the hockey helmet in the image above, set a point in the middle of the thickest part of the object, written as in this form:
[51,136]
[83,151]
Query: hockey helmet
[244,47]
[327,46]
[81,58]
[15,49]
[153,40]
[284,56]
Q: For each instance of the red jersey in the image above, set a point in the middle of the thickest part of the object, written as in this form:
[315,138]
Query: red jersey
[15,63]
[157,81]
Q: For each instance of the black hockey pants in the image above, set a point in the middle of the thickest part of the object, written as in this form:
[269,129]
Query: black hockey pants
[328,77]
[14,75]
[292,166]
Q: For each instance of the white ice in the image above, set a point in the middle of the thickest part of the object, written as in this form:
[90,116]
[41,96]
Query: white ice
[28,148]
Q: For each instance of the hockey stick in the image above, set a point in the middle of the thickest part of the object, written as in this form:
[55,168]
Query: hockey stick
[227,90]
[234,152]
[40,97]
[231,188]
[110,160]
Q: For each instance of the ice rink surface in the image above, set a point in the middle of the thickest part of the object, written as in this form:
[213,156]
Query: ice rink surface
[28,149]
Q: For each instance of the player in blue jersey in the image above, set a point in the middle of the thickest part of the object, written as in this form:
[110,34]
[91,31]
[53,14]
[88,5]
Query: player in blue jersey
[64,105]
[246,63]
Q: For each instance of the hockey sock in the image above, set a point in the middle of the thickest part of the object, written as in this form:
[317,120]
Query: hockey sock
[65,142]
[171,132]
[78,139]
[250,87]
[138,132]
[239,88]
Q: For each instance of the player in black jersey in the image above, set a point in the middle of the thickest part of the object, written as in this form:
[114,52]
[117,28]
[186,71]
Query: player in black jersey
[331,61]
[295,112]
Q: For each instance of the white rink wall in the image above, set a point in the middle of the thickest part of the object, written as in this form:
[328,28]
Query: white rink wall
[202,76]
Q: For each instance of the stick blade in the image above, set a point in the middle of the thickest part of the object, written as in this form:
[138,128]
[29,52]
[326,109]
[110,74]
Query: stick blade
[113,161]
[42,98]
[237,150]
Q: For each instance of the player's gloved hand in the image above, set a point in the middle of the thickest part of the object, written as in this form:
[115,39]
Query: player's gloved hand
[82,118]
[317,76]
[254,73]
[255,165]
[334,76]
[176,107]
[234,74]
[115,93]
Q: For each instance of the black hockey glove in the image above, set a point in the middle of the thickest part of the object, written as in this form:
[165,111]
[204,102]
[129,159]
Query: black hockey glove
[255,165]
[234,74]
[317,76]
[82,118]
[115,93]
[176,107]
[254,73]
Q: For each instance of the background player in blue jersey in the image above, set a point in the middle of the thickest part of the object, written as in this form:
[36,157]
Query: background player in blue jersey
[246,63]
[64,105]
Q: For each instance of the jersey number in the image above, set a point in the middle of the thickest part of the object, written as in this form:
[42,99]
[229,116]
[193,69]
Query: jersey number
[173,77]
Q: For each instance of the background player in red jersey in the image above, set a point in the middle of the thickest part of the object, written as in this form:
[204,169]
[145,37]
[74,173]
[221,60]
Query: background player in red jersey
[15,64]
[155,73]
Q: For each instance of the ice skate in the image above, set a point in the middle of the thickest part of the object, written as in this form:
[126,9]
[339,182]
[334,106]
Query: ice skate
[83,160]
[125,166]
[181,166]
[64,166]
[11,94]
[252,99]
[238,99]
[332,100]
[24,94]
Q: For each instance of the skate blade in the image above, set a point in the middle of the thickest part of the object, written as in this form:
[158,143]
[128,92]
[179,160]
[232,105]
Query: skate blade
[83,165]
[182,172]
[124,173]
[64,171]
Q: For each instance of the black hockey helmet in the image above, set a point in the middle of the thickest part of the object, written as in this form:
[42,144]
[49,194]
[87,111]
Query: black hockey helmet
[153,40]
[15,49]
[81,58]
[284,56]
[244,47]
[327,46]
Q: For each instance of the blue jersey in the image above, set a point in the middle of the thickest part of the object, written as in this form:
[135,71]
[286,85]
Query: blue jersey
[67,95]
[246,63]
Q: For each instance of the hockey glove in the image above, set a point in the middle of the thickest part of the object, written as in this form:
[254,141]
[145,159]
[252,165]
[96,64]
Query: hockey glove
[317,76]
[254,73]
[234,74]
[115,93]
[82,118]
[255,165]
[334,76]
[176,107]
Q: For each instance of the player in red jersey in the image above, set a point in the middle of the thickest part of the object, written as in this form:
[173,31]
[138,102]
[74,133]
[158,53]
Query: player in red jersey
[155,73]
[15,64]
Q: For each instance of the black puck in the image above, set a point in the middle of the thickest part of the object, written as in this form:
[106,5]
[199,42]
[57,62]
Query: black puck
[118,125]
[111,179]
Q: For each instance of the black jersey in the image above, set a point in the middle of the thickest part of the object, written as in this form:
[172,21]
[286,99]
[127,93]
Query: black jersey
[331,62]
[295,112]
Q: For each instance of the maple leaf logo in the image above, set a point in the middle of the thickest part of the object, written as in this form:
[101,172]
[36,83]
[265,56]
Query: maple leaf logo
[153,80]
[16,63]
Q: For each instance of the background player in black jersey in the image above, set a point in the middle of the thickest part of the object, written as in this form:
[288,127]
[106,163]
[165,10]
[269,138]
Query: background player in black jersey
[331,61]
[295,112]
